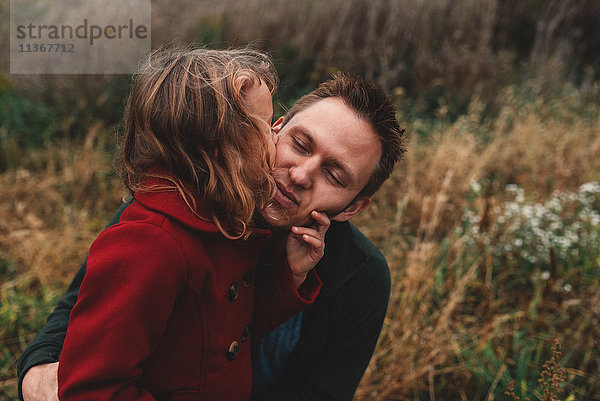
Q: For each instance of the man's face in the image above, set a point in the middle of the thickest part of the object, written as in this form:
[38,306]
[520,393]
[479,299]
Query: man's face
[325,156]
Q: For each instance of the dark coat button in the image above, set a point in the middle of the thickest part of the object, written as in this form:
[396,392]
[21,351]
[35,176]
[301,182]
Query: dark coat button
[247,279]
[233,350]
[234,290]
[246,333]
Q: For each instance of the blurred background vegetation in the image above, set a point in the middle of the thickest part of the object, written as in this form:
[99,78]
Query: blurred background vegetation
[490,225]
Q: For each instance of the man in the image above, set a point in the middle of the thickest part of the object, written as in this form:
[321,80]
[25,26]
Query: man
[335,148]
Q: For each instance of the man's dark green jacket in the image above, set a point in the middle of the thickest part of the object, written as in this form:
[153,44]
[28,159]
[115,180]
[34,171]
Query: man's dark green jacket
[339,331]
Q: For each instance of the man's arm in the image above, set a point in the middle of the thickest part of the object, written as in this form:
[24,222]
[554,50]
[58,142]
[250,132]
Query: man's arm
[47,346]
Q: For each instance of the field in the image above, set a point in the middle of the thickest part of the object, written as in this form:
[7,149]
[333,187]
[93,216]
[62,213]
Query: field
[491,224]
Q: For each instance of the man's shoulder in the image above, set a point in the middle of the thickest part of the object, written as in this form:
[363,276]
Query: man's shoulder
[347,238]
[350,255]
[366,245]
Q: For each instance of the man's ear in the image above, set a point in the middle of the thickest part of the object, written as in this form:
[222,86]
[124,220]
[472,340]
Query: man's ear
[277,125]
[353,209]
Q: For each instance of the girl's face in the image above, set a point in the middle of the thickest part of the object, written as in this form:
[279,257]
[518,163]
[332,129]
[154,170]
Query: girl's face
[259,102]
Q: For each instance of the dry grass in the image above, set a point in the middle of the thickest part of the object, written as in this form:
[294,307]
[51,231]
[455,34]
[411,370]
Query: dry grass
[51,211]
[420,206]
[463,46]
[387,33]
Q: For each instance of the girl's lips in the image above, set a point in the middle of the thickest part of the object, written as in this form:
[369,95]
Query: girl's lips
[283,199]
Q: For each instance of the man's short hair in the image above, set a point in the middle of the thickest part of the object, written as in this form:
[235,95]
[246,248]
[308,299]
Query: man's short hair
[371,104]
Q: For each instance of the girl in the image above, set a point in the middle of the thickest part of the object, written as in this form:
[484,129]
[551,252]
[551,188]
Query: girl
[166,305]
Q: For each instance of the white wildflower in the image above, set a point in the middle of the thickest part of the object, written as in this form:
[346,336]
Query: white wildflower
[475,187]
[594,219]
[512,188]
[572,236]
[590,188]
[563,242]
[554,205]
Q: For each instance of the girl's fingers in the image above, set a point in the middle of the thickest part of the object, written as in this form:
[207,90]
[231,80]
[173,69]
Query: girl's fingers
[312,241]
[308,235]
[322,221]
[305,231]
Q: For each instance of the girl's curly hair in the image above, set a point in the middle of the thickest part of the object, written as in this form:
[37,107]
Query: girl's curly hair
[186,115]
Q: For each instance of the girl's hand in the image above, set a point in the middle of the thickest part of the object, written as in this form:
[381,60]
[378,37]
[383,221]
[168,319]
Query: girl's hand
[305,246]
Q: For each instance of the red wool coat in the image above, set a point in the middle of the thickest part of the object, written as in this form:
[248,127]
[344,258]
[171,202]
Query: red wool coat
[166,309]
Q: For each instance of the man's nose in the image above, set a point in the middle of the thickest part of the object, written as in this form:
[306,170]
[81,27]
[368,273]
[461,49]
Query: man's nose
[302,174]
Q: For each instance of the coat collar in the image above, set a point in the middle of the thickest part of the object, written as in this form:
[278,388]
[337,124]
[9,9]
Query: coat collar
[171,203]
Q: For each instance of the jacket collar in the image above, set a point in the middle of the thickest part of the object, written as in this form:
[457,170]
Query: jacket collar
[335,269]
[170,202]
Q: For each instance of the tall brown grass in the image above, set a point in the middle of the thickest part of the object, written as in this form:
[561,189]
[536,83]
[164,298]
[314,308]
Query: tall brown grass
[53,206]
[464,43]
[463,46]
[412,220]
